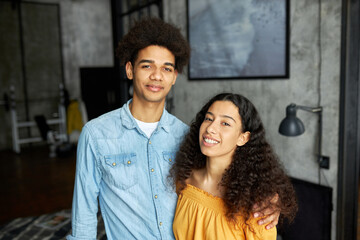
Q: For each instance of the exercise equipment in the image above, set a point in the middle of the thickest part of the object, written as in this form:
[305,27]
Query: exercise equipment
[58,137]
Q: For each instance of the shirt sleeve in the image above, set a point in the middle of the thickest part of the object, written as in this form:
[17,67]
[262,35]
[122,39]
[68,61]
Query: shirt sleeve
[86,189]
[254,231]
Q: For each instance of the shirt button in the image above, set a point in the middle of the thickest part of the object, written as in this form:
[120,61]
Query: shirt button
[160,224]
[149,142]
[170,160]
[155,196]
[128,162]
[114,164]
[152,170]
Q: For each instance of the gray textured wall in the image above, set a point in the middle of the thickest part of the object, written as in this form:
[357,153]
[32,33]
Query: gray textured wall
[313,81]
[87,38]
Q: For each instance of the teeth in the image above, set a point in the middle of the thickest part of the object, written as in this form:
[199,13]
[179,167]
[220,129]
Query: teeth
[210,140]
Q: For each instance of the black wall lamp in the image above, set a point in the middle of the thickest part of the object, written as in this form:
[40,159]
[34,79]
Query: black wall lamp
[292,126]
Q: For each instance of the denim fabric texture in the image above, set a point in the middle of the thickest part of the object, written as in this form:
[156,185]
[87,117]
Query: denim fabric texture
[125,173]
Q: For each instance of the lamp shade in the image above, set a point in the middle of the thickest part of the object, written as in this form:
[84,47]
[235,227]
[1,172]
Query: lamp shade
[291,125]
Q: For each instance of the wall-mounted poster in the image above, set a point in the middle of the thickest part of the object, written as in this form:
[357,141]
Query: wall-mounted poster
[233,39]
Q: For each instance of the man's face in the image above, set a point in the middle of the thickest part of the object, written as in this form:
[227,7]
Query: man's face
[153,74]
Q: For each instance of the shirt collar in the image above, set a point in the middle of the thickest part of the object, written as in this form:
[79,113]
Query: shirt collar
[129,122]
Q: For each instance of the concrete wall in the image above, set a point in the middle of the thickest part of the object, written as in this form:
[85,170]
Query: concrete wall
[87,38]
[314,80]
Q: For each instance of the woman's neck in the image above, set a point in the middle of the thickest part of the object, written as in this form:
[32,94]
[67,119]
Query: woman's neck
[215,168]
[209,177]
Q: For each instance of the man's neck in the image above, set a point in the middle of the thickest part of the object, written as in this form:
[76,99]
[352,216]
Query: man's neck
[146,111]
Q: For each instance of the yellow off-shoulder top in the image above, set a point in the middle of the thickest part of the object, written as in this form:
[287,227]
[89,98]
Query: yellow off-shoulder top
[201,216]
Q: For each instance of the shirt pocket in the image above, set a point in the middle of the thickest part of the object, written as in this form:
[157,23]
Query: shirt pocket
[121,170]
[167,160]
[169,157]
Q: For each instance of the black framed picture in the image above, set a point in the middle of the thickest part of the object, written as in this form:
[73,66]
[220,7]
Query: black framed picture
[233,39]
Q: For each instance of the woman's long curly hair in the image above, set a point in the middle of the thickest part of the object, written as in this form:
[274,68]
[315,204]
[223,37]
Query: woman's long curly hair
[255,174]
[154,31]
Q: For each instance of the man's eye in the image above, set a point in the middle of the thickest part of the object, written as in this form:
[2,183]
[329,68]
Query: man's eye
[145,66]
[168,69]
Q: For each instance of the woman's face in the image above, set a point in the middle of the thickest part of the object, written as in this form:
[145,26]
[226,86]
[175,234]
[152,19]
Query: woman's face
[221,130]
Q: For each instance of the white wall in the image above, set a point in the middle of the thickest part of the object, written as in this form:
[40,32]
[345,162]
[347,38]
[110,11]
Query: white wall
[313,81]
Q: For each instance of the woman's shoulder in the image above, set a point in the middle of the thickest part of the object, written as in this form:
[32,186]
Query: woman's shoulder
[254,231]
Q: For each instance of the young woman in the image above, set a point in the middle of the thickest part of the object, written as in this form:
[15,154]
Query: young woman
[224,166]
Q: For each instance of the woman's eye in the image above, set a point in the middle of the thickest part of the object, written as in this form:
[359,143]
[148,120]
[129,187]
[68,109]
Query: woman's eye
[225,124]
[207,119]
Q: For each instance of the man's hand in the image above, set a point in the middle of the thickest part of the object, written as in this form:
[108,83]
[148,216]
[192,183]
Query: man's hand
[270,213]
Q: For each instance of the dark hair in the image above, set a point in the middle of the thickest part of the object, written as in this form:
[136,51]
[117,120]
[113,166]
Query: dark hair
[154,31]
[255,174]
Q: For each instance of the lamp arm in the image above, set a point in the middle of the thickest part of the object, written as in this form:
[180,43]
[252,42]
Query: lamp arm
[319,111]
[310,109]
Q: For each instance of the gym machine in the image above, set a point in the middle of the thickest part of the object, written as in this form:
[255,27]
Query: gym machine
[54,138]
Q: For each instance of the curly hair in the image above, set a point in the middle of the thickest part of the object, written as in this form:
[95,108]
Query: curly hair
[154,31]
[255,174]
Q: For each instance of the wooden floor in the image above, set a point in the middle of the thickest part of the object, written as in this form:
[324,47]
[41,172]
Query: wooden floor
[31,183]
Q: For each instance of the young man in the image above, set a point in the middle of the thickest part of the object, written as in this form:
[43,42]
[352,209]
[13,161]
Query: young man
[124,156]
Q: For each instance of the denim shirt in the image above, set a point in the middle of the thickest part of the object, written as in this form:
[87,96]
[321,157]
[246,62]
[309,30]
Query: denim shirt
[127,172]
